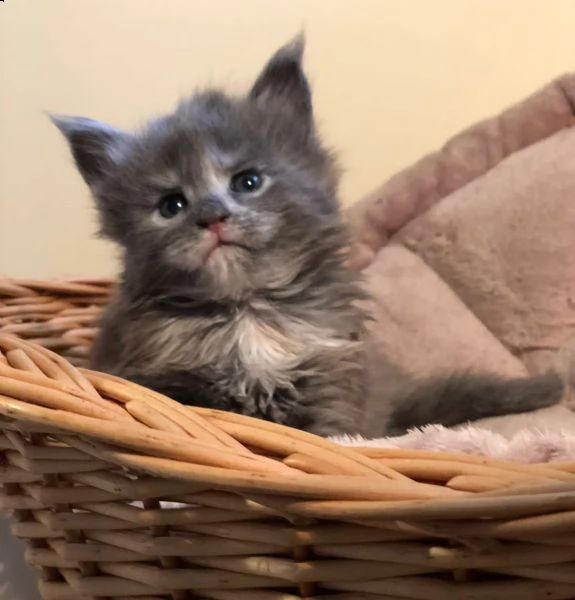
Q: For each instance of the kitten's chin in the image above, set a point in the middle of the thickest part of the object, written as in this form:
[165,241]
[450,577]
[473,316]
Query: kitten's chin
[218,270]
[221,255]
[225,270]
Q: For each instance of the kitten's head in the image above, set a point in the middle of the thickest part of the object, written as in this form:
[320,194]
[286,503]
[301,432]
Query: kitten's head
[224,195]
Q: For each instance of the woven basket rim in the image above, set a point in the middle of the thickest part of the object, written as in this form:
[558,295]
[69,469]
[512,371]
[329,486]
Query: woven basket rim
[123,424]
[67,286]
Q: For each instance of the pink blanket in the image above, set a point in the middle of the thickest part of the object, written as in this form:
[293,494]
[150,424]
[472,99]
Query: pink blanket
[469,253]
[527,446]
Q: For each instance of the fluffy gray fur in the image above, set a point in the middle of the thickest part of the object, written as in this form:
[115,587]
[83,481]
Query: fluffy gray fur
[241,300]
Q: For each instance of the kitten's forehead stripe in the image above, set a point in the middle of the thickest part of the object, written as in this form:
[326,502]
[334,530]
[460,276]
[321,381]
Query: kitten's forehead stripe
[214,174]
[184,153]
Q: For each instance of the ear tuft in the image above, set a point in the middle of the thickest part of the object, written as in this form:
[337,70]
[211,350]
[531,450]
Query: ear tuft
[94,145]
[283,83]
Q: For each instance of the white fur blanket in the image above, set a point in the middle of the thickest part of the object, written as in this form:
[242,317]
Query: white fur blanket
[533,445]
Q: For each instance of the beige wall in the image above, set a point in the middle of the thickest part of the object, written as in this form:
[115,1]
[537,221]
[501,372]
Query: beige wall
[392,79]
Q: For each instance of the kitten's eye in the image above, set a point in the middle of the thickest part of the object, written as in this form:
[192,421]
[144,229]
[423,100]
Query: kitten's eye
[172,205]
[247,182]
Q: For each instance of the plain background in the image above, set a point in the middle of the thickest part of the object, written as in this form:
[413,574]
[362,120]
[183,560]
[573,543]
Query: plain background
[392,79]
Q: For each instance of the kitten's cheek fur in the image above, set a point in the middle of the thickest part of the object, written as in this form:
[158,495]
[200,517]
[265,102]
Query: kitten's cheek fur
[257,228]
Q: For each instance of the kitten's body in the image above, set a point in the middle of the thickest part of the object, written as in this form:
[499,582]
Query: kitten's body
[240,300]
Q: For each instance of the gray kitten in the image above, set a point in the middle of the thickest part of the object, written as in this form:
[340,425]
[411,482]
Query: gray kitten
[234,293]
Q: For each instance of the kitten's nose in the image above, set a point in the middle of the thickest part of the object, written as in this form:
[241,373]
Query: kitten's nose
[212,212]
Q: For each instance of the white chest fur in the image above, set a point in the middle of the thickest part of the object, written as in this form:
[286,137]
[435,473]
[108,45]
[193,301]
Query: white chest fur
[266,353]
[248,347]
[270,354]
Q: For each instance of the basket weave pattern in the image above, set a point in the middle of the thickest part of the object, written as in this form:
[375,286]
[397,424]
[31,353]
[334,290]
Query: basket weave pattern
[58,315]
[121,493]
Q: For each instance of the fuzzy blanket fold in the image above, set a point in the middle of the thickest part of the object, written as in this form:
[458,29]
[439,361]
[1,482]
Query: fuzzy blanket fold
[468,254]
[527,446]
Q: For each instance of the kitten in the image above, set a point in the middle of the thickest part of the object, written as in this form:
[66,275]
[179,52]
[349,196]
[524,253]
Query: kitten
[234,293]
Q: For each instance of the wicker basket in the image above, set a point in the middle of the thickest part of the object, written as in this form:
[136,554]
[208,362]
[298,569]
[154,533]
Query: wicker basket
[92,466]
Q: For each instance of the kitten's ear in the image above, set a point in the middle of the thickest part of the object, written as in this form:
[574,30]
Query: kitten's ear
[283,82]
[94,145]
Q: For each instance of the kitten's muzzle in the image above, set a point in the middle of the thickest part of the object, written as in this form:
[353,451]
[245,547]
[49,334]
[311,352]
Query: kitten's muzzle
[212,213]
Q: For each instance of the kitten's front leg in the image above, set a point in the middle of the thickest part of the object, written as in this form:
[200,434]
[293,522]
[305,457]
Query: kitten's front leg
[333,400]
[185,387]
